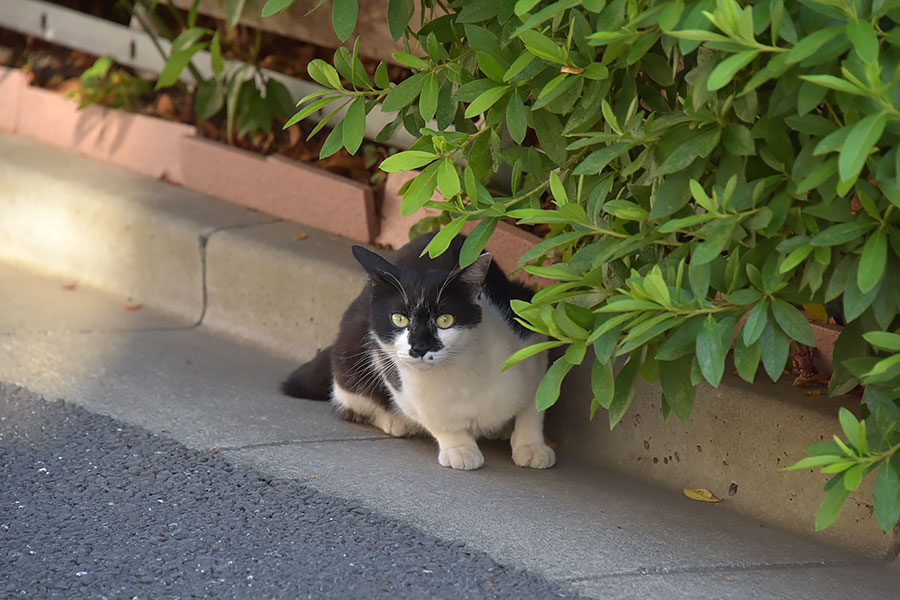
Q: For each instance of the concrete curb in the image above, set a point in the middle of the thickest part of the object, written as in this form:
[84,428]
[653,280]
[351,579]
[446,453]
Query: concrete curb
[283,287]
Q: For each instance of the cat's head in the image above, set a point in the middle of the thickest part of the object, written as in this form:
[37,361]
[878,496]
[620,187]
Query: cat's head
[423,317]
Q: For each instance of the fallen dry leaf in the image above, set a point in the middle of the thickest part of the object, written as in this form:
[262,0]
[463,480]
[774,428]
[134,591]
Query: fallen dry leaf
[300,237]
[70,286]
[166,108]
[701,495]
[131,307]
[212,451]
[551,443]
[294,135]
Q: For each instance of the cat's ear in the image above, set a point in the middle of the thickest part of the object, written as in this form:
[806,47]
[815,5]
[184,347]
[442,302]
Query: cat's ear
[475,273]
[375,265]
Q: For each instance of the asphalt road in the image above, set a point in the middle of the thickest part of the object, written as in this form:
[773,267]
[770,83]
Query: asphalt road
[91,507]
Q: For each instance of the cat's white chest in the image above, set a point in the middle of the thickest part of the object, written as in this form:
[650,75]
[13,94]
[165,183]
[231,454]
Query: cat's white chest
[470,391]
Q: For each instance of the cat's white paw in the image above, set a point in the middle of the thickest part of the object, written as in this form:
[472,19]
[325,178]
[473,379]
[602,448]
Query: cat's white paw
[461,457]
[536,456]
[392,424]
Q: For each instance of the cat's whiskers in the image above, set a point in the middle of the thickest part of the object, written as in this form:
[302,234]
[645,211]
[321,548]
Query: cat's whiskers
[396,283]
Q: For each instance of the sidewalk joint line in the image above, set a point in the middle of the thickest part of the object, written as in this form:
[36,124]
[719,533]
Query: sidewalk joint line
[203,242]
[714,570]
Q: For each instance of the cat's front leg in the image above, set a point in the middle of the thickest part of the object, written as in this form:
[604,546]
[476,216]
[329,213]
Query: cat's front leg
[527,440]
[458,450]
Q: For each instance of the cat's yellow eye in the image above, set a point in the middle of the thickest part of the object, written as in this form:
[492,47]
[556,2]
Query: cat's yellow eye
[400,320]
[444,321]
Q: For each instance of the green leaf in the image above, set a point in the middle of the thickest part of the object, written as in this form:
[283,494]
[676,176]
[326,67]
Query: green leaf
[775,347]
[883,366]
[540,16]
[862,137]
[864,39]
[549,132]
[518,66]
[209,99]
[215,54]
[406,161]
[354,129]
[854,300]
[476,241]
[755,323]
[233,10]
[542,46]
[343,17]
[448,179]
[811,462]
[834,83]
[428,100]
[715,242]
[675,380]
[842,233]
[178,60]
[440,242]
[98,70]
[306,111]
[883,339]
[404,93]
[744,297]
[324,74]
[603,383]
[793,322]
[529,351]
[598,159]
[399,13]
[698,277]
[420,190]
[728,68]
[807,46]
[738,140]
[671,196]
[849,425]
[516,120]
[872,261]
[548,388]
[795,257]
[626,381]
[746,359]
[486,100]
[556,188]
[853,477]
[272,7]
[381,75]
[710,353]
[410,60]
[887,496]
[701,197]
[831,507]
[701,143]
[334,141]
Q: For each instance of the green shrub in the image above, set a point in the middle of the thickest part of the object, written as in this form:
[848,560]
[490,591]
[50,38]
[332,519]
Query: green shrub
[696,162]
[251,101]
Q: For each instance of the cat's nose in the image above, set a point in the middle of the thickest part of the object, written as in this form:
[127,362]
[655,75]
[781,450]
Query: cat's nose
[418,350]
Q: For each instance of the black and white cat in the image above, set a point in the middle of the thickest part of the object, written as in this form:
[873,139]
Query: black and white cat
[422,347]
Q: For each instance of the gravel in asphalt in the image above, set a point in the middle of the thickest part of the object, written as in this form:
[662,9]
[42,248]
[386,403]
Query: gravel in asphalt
[91,507]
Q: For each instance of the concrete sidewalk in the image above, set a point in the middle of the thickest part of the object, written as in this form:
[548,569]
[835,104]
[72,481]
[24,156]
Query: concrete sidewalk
[190,363]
